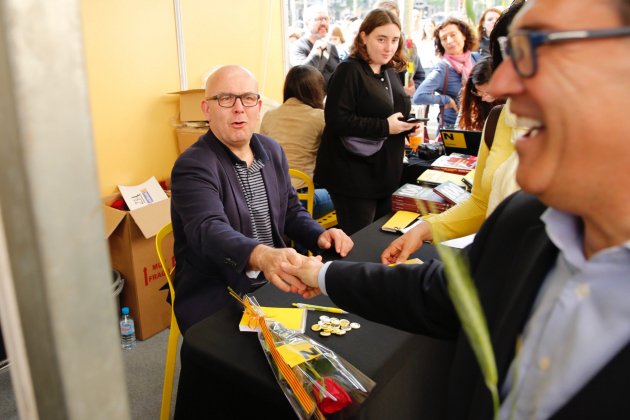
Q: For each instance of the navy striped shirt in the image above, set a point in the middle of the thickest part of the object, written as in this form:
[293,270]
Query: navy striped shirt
[253,187]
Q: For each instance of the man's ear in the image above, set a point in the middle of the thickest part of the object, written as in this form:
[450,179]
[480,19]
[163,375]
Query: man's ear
[205,109]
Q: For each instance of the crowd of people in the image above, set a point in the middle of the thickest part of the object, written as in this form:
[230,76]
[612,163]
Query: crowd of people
[552,252]
[343,122]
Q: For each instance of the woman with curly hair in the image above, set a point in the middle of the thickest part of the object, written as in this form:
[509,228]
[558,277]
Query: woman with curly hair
[455,42]
[366,101]
[476,102]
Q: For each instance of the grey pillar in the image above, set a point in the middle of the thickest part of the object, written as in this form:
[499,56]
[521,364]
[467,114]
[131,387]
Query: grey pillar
[61,313]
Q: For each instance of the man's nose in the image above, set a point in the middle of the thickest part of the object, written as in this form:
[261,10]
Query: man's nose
[505,81]
[238,105]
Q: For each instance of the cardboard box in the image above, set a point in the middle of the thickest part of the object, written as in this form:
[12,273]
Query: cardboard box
[188,135]
[131,236]
[190,105]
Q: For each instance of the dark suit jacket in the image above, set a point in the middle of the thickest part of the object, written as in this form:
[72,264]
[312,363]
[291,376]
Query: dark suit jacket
[509,260]
[212,225]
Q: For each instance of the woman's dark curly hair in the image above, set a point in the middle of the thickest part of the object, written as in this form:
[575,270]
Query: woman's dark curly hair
[474,110]
[471,42]
[373,20]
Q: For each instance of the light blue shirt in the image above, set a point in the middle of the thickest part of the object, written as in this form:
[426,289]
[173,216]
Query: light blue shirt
[580,321]
[321,278]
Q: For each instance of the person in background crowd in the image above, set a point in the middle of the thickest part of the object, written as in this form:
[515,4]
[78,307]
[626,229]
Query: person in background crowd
[426,46]
[556,298]
[410,80]
[454,42]
[232,203]
[476,102]
[494,175]
[313,48]
[336,37]
[339,41]
[365,100]
[298,125]
[486,23]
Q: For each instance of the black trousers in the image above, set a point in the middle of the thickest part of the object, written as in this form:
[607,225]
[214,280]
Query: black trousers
[353,214]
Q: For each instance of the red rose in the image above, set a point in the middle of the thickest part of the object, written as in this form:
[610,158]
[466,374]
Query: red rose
[327,404]
[409,43]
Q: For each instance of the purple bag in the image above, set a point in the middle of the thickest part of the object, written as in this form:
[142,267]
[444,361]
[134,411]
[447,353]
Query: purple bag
[364,146]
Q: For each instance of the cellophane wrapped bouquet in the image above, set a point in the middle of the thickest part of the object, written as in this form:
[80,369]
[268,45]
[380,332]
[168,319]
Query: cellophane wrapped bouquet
[317,382]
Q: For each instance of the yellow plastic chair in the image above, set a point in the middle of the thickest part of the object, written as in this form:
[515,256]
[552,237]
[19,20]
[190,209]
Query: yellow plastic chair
[173,337]
[328,220]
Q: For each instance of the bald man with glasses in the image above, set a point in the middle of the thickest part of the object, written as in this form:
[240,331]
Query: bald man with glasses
[552,263]
[232,205]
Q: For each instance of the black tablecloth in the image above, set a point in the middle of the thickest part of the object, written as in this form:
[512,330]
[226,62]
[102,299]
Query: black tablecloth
[225,374]
[413,168]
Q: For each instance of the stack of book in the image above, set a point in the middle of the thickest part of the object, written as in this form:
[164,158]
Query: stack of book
[418,199]
[432,178]
[451,192]
[457,163]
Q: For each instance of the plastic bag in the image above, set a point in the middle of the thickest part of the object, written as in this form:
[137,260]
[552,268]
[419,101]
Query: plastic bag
[316,381]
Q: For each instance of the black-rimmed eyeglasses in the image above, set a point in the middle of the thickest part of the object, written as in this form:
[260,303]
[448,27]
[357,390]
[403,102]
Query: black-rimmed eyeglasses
[521,45]
[228,100]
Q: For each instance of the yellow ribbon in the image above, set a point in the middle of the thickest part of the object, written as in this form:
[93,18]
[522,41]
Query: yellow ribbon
[304,398]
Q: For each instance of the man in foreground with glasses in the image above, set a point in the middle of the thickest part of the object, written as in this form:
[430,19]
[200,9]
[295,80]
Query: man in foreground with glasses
[551,264]
[232,203]
[313,48]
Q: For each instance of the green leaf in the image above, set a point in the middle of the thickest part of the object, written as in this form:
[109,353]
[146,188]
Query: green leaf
[464,296]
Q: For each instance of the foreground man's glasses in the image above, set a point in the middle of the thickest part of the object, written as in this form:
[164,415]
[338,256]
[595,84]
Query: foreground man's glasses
[521,45]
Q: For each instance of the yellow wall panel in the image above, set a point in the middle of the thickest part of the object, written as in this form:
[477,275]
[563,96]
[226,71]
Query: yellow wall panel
[132,64]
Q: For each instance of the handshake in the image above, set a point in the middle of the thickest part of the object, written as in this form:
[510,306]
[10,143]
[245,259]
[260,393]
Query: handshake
[292,272]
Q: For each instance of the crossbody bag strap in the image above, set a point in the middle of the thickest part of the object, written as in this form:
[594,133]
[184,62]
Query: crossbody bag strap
[444,87]
[491,125]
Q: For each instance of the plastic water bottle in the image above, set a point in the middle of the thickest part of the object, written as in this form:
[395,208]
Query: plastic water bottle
[127,330]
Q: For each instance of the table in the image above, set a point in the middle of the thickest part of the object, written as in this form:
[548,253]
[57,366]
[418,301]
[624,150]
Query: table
[413,168]
[224,372]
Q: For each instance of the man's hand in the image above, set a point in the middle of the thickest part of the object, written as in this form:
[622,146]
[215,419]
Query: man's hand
[307,272]
[320,46]
[400,249]
[337,237]
[269,260]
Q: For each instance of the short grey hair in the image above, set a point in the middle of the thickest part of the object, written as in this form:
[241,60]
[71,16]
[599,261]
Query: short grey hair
[312,11]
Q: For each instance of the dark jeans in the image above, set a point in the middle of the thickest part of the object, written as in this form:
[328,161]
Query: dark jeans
[353,214]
